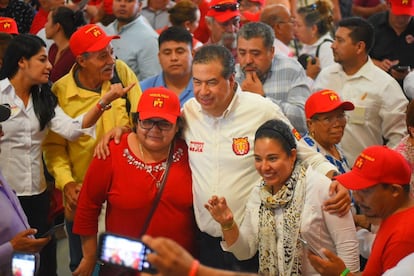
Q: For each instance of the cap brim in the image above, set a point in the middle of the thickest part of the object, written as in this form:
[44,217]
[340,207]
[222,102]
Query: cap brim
[148,115]
[345,105]
[223,16]
[397,10]
[101,44]
[353,181]
[4,112]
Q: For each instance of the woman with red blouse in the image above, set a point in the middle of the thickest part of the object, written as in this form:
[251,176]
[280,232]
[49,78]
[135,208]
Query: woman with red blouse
[129,178]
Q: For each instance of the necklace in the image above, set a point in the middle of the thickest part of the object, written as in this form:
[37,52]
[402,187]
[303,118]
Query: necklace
[148,169]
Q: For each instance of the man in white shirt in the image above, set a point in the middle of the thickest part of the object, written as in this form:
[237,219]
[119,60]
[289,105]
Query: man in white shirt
[379,114]
[279,18]
[220,125]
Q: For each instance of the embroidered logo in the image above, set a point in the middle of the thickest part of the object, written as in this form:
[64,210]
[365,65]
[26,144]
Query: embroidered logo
[94,31]
[359,163]
[241,146]
[158,102]
[196,146]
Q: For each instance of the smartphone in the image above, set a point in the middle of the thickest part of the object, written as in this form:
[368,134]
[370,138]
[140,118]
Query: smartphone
[312,249]
[23,264]
[400,68]
[52,230]
[124,251]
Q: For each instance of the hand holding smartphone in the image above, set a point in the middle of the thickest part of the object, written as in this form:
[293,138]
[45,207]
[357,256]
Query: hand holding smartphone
[401,68]
[126,252]
[312,249]
[52,230]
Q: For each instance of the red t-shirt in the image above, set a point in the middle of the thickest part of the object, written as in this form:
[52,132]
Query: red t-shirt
[39,21]
[394,241]
[130,190]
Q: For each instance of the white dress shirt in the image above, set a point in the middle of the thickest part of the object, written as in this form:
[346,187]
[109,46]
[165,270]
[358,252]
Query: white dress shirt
[221,153]
[379,103]
[318,227]
[21,145]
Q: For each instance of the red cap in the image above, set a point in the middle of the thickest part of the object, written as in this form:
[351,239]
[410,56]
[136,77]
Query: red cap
[325,101]
[8,25]
[251,17]
[377,165]
[89,38]
[159,102]
[402,7]
[225,15]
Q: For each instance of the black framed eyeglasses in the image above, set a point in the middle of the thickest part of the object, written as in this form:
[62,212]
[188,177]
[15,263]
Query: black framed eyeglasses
[225,7]
[161,124]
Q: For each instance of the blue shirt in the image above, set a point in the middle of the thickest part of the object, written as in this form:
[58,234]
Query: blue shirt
[158,80]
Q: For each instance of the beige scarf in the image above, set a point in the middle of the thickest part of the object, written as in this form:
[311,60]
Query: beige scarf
[290,198]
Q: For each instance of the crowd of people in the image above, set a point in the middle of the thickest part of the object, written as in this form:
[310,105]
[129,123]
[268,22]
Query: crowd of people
[234,137]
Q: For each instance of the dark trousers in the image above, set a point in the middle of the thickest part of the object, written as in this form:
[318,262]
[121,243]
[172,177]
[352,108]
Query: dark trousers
[211,254]
[36,208]
[75,246]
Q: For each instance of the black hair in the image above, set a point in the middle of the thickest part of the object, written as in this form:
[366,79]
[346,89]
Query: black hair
[209,53]
[183,11]
[361,30]
[26,46]
[68,19]
[258,29]
[279,131]
[177,34]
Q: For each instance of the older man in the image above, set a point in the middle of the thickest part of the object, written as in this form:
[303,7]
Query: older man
[380,180]
[94,74]
[277,77]
[223,21]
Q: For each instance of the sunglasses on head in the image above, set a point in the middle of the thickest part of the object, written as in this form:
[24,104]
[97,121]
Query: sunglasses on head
[225,7]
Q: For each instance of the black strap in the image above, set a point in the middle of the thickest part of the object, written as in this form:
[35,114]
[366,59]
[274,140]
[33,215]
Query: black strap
[160,190]
[320,44]
[117,79]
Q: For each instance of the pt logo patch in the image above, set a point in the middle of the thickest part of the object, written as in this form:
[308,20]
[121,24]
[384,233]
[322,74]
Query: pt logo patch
[196,146]
[241,146]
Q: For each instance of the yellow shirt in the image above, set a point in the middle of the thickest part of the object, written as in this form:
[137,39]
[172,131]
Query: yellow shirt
[68,161]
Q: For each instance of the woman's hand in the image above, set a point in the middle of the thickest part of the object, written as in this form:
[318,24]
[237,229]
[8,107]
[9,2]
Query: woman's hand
[116,91]
[220,211]
[86,267]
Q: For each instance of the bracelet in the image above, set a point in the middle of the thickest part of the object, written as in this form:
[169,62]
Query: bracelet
[345,272]
[194,267]
[228,227]
[102,106]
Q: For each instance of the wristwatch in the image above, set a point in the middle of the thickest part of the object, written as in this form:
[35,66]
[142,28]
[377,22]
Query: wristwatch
[102,106]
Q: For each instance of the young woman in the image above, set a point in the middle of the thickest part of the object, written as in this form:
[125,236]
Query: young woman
[34,109]
[286,206]
[61,24]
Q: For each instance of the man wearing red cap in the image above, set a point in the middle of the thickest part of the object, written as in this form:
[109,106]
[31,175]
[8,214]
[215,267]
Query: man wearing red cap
[394,39]
[223,21]
[90,78]
[380,180]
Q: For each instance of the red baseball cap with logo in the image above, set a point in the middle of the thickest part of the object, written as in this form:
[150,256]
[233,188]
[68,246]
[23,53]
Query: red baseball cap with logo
[325,101]
[223,10]
[89,38]
[8,25]
[402,7]
[377,165]
[159,102]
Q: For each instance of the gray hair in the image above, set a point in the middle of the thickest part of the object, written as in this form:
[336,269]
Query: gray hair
[258,29]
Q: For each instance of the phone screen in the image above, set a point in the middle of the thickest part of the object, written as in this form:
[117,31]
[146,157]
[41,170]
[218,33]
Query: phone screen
[126,252]
[23,264]
[52,230]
